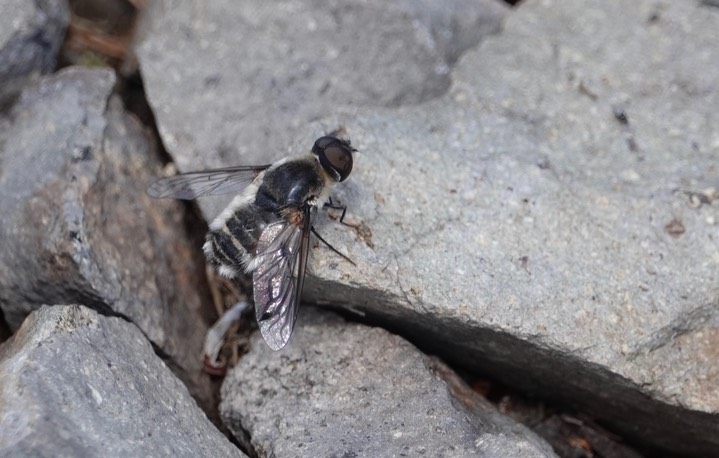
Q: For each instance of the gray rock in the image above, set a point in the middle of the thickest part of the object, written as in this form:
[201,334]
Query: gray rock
[30,36]
[351,390]
[75,383]
[237,84]
[550,221]
[77,225]
[520,227]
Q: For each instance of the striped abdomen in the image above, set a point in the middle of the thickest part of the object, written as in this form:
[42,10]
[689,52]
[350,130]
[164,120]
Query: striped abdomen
[231,243]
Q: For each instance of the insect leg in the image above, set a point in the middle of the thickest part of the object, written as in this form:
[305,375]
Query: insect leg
[330,204]
[215,338]
[217,300]
[314,231]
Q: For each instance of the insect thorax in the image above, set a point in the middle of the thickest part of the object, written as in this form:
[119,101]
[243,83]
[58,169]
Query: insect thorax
[289,185]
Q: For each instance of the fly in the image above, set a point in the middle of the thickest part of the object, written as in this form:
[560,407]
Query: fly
[266,228]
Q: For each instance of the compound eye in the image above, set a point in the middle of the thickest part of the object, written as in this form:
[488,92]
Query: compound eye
[322,143]
[335,155]
[339,158]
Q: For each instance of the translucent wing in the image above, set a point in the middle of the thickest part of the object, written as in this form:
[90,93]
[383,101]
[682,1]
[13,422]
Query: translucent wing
[279,276]
[230,180]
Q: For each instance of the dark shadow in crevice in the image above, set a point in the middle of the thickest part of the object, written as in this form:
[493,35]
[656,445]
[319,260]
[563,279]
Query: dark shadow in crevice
[5,332]
[131,90]
[563,382]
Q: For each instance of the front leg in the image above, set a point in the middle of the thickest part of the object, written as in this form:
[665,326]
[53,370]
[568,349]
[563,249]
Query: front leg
[330,204]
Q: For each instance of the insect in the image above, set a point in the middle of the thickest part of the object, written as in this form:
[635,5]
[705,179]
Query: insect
[266,228]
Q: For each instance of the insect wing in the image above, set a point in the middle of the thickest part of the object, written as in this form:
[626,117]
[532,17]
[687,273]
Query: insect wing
[217,182]
[279,277]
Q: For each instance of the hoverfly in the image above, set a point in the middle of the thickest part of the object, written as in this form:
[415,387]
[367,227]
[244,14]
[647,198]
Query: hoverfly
[266,228]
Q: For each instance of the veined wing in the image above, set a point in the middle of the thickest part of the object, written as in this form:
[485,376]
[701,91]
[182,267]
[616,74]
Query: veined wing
[278,279]
[230,180]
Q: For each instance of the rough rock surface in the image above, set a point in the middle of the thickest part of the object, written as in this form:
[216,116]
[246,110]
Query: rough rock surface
[76,383]
[351,390]
[77,225]
[550,220]
[236,84]
[31,33]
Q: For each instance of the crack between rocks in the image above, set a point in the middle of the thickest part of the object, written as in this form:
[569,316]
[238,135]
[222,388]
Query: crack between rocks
[136,104]
[626,394]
